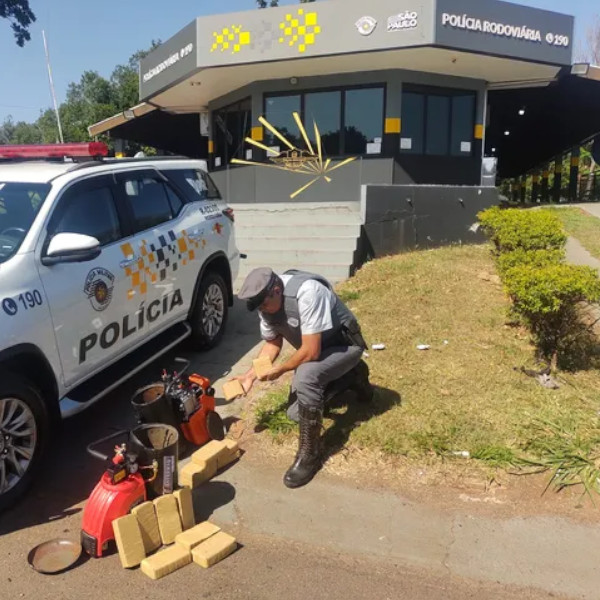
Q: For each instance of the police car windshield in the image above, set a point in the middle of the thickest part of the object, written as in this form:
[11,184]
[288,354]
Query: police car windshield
[19,204]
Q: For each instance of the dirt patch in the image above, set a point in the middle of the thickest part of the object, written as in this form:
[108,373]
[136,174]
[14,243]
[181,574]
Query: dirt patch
[462,486]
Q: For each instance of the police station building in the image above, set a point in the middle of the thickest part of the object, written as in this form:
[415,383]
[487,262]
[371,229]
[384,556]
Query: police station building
[416,89]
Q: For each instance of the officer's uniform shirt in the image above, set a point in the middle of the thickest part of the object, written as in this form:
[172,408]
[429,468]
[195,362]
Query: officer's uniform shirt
[315,303]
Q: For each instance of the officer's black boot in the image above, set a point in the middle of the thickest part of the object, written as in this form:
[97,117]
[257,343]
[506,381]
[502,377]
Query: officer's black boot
[362,385]
[308,458]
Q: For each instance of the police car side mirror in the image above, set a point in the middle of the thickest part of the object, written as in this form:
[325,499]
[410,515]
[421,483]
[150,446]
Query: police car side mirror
[71,248]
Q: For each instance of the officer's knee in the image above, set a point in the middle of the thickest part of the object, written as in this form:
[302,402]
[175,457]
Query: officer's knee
[305,376]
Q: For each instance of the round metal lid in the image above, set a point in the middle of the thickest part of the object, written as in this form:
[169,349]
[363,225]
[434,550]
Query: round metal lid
[54,556]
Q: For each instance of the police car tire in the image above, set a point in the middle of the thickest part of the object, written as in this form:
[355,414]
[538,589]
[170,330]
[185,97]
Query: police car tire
[200,338]
[13,386]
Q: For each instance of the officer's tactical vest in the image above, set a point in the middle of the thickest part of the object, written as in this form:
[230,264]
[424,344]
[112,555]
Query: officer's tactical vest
[287,321]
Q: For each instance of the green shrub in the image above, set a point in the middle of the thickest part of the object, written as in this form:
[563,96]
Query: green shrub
[546,296]
[512,228]
[533,258]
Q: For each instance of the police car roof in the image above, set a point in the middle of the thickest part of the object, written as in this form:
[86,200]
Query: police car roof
[44,171]
[32,171]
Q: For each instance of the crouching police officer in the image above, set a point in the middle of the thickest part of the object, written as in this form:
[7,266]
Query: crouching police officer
[302,308]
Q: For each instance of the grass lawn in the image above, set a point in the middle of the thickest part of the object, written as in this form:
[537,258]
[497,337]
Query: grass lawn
[582,226]
[463,394]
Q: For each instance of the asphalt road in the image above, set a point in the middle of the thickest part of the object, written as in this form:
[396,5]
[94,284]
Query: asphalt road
[262,569]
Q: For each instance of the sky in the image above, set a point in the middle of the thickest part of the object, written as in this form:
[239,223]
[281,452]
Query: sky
[97,36]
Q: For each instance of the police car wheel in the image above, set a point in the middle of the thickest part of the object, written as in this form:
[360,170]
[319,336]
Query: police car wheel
[24,431]
[210,312]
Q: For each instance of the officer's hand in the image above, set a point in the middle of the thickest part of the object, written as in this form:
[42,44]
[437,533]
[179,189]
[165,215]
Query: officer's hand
[271,375]
[246,382]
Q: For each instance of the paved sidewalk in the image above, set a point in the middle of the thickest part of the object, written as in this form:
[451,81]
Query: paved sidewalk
[551,554]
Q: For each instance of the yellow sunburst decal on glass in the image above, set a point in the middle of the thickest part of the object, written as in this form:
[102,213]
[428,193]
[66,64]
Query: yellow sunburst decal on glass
[307,161]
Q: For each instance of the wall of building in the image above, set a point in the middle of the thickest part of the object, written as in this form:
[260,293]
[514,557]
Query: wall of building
[398,218]
[258,184]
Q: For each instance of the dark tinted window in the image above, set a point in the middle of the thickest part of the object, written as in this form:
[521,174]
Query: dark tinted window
[413,123]
[231,125]
[279,113]
[89,212]
[19,204]
[196,185]
[149,202]
[324,109]
[363,119]
[437,121]
[174,200]
[438,125]
[463,113]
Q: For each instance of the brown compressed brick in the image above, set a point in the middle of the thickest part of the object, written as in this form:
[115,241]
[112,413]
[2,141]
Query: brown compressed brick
[193,475]
[166,561]
[196,535]
[148,522]
[262,366]
[214,549]
[209,453]
[129,541]
[231,454]
[232,389]
[186,507]
[169,522]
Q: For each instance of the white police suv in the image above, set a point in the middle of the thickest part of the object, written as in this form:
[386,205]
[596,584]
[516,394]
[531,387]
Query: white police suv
[104,264]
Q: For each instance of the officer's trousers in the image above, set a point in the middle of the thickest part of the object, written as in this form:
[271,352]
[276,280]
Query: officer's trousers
[312,378]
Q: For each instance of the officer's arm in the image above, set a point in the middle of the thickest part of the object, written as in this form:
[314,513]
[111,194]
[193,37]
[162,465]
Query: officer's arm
[309,351]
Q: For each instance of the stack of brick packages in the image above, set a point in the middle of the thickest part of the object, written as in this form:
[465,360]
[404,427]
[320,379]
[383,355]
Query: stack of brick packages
[207,461]
[169,521]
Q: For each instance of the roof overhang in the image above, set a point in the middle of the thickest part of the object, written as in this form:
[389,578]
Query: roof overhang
[556,118]
[120,118]
[487,40]
[196,92]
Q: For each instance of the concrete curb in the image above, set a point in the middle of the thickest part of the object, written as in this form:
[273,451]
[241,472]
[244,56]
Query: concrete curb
[552,554]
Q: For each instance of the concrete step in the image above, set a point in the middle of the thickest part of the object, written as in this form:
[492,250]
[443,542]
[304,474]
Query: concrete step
[291,207]
[298,257]
[286,230]
[333,272]
[337,243]
[296,214]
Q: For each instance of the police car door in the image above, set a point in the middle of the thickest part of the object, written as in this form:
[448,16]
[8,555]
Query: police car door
[162,254]
[88,300]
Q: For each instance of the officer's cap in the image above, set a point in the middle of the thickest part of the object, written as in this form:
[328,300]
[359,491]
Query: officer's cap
[257,286]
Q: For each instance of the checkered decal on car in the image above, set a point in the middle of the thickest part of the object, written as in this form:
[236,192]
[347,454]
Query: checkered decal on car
[158,258]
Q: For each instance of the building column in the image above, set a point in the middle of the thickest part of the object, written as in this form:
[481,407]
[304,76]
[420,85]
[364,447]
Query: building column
[535,188]
[393,120]
[574,174]
[481,121]
[515,188]
[523,190]
[545,176]
[557,180]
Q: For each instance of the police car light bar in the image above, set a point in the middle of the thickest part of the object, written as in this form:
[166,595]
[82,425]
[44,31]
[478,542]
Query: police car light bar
[78,150]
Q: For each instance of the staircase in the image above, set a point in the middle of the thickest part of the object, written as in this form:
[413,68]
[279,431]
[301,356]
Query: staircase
[321,238]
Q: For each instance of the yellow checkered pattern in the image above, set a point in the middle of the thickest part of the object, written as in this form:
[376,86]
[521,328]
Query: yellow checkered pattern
[151,268]
[230,38]
[301,29]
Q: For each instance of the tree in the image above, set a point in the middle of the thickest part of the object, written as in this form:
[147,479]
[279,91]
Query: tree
[591,54]
[88,101]
[20,17]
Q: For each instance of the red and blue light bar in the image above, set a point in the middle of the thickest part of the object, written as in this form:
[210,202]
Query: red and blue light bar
[75,150]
